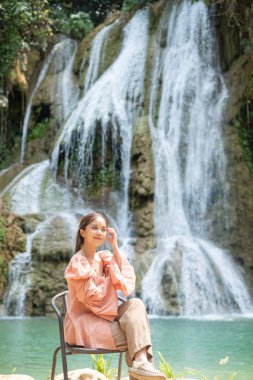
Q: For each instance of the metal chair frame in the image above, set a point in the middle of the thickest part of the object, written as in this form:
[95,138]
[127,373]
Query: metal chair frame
[67,349]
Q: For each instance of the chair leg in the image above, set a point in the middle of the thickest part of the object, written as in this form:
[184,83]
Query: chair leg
[64,364]
[120,365]
[54,363]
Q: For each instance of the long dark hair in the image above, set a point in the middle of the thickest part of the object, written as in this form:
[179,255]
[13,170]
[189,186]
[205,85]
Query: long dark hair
[84,222]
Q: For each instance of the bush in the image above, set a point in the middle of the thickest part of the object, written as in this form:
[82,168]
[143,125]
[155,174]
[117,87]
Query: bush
[132,5]
[77,25]
[24,24]
[38,130]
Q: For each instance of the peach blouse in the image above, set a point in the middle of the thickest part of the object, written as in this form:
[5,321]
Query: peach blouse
[93,301]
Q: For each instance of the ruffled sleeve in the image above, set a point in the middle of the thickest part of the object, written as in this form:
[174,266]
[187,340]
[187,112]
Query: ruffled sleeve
[123,278]
[77,269]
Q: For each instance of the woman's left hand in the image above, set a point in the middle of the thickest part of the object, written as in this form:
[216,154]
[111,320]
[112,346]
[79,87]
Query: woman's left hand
[112,237]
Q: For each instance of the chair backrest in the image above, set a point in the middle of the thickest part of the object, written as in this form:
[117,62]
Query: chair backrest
[63,298]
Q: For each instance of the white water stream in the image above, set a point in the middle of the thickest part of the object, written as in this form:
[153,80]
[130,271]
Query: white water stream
[96,56]
[66,92]
[190,169]
[41,76]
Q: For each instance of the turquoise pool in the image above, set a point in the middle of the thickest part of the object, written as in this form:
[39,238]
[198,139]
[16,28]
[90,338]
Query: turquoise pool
[27,344]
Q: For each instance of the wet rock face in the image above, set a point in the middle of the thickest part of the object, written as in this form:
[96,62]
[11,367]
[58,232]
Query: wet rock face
[53,243]
[142,180]
[47,281]
[52,248]
[170,283]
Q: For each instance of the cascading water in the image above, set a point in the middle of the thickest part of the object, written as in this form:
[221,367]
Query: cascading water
[190,169]
[66,90]
[19,280]
[113,103]
[29,106]
[96,56]
[35,191]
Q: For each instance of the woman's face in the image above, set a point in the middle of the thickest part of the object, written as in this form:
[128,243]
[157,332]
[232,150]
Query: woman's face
[95,232]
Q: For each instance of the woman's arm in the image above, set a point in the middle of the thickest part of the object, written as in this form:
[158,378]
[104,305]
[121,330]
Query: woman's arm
[112,239]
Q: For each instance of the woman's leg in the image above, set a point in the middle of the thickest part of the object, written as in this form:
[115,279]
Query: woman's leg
[133,320]
[131,332]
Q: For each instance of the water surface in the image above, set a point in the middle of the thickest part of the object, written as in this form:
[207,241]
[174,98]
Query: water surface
[27,344]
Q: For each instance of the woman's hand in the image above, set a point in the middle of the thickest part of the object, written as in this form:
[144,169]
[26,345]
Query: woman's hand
[112,238]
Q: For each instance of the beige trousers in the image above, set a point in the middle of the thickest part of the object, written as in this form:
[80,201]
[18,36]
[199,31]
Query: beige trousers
[130,329]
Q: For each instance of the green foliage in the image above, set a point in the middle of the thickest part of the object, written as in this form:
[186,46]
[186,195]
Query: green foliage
[76,25]
[207,2]
[165,367]
[245,135]
[24,24]
[38,130]
[97,9]
[246,45]
[131,5]
[101,365]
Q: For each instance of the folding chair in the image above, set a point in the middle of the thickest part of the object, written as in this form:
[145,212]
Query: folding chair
[67,349]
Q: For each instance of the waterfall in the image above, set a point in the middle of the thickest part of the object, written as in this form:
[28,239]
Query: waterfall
[96,56]
[41,76]
[34,191]
[66,90]
[19,281]
[190,169]
[112,103]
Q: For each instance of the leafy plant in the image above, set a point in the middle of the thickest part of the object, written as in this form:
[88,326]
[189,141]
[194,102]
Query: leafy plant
[165,366]
[38,130]
[132,5]
[24,24]
[76,25]
[101,365]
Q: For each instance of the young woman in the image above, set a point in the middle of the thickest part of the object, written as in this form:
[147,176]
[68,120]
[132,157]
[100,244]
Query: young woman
[94,318]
